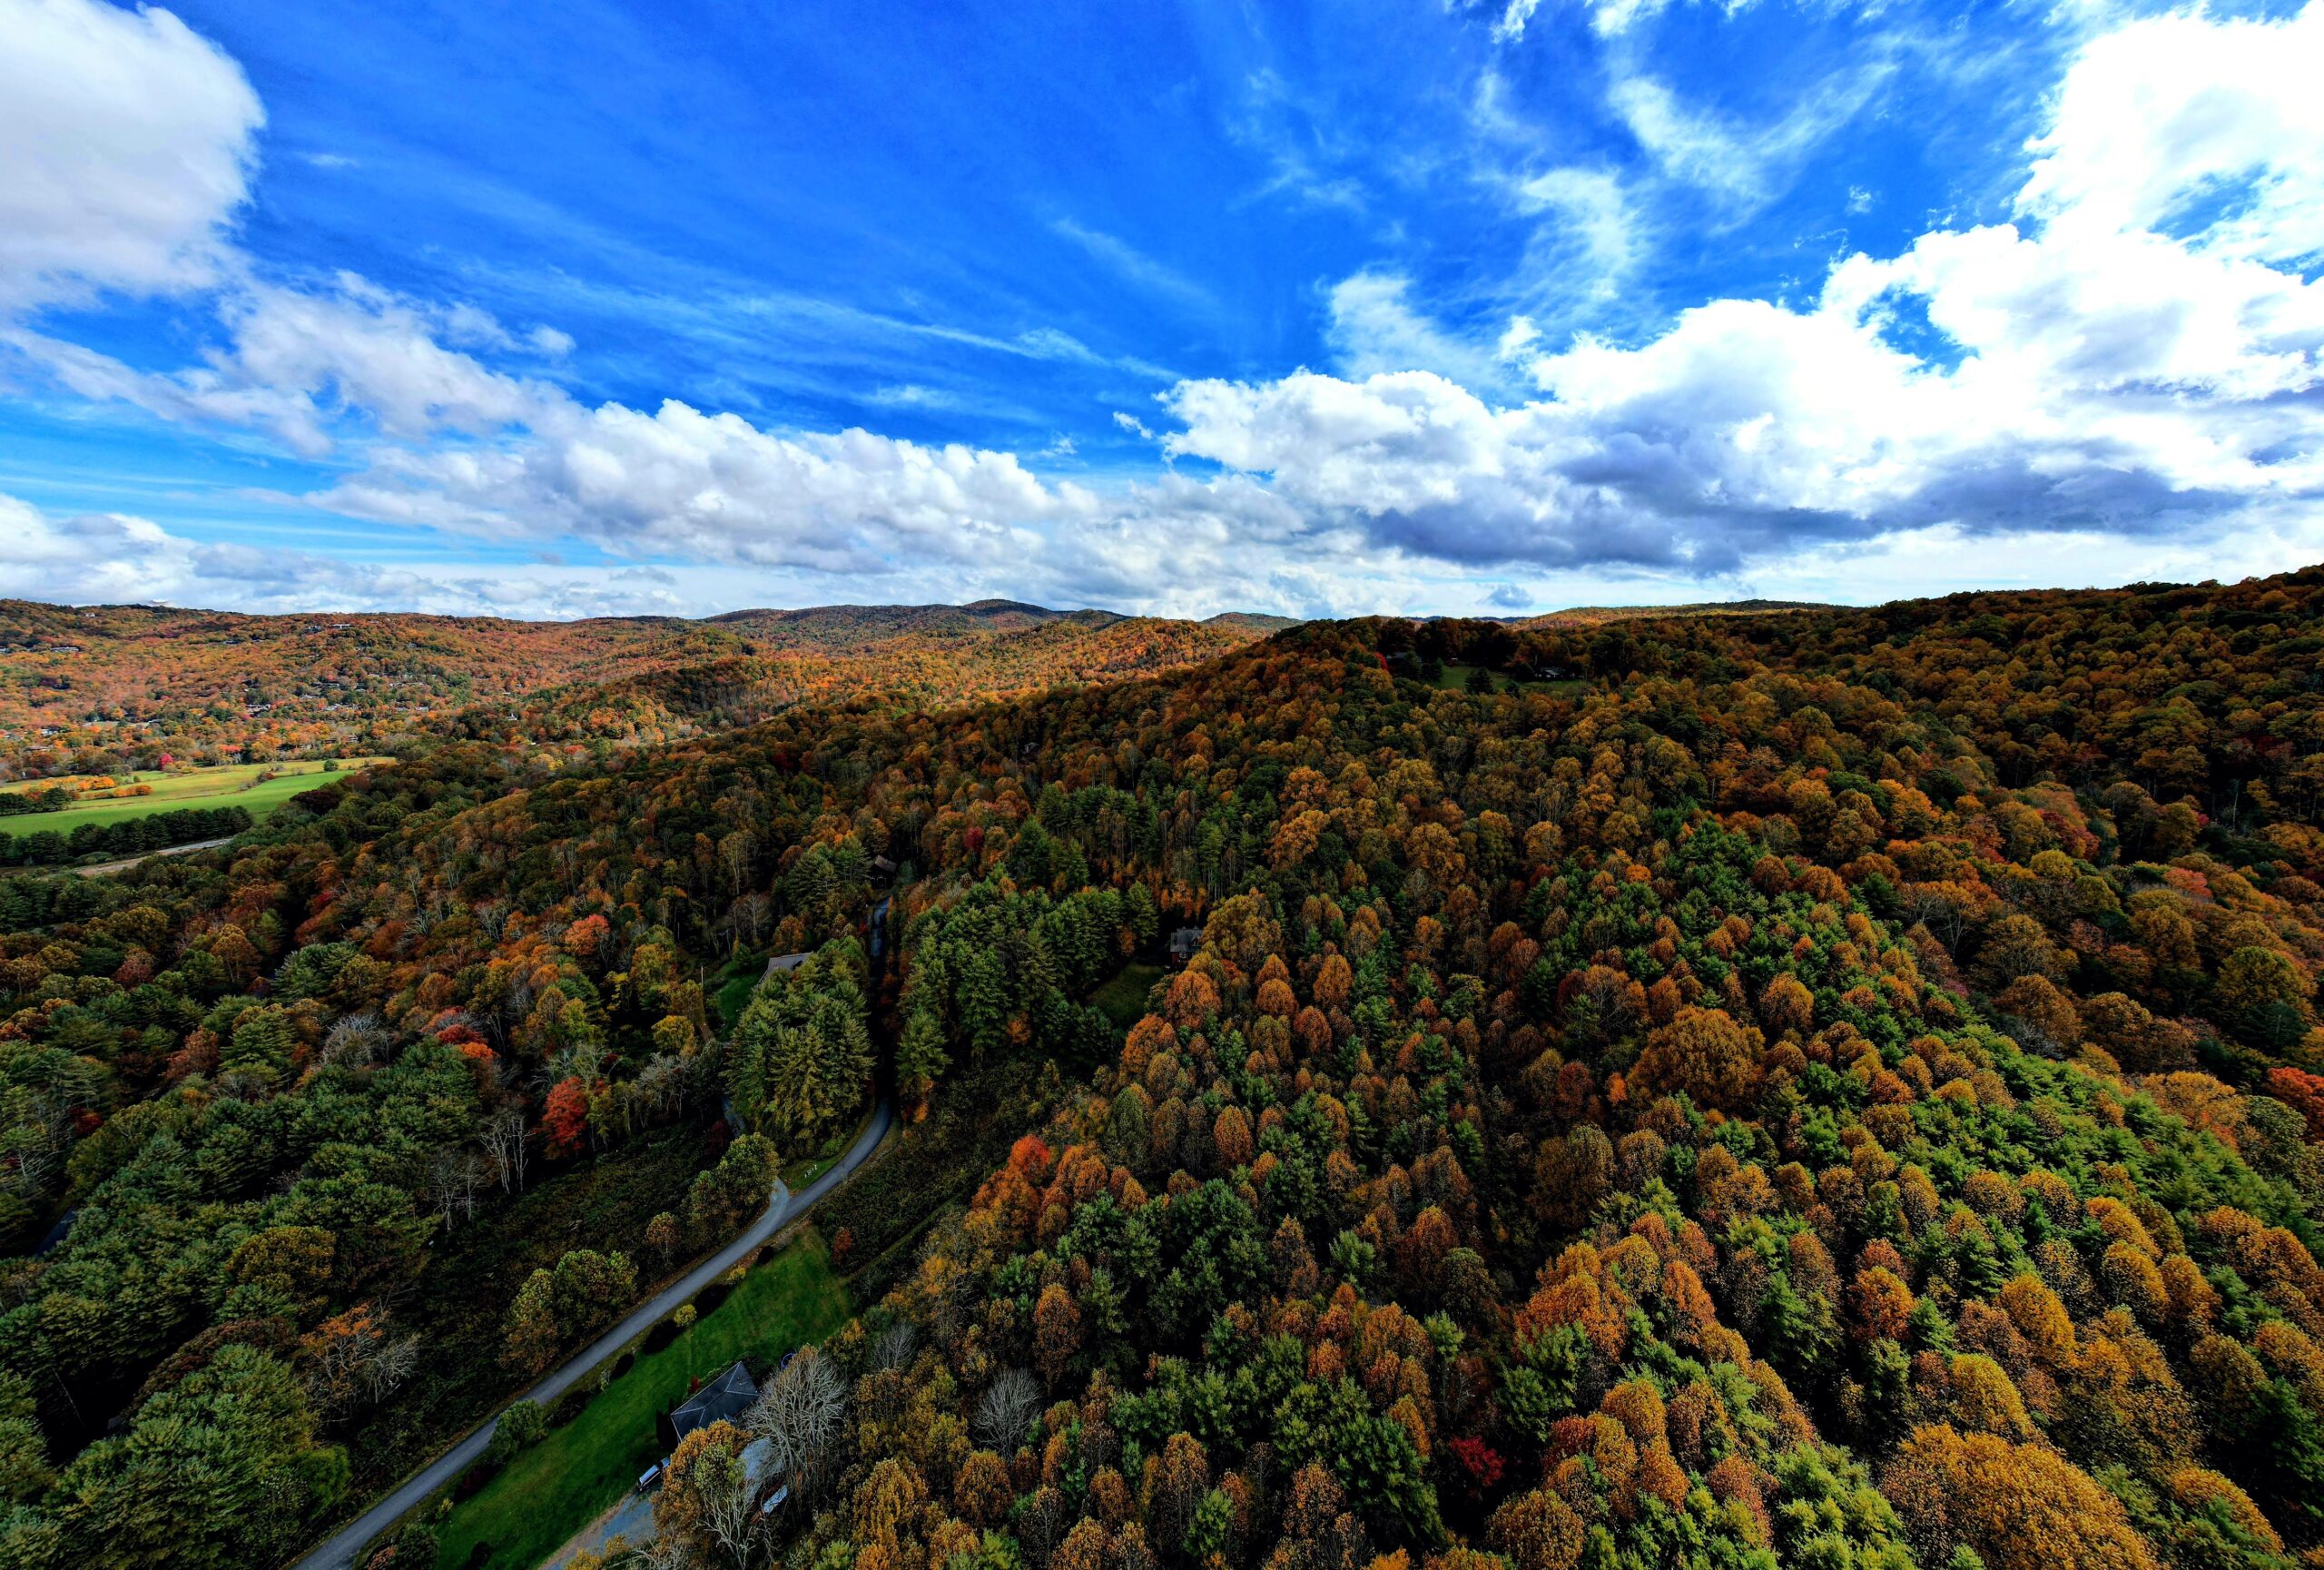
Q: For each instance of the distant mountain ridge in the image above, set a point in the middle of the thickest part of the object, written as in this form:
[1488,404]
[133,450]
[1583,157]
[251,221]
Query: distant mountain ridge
[1594,615]
[828,625]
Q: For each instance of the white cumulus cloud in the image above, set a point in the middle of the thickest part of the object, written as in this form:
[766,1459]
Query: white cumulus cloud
[682,483]
[2143,358]
[126,145]
[113,558]
[298,362]
[2183,121]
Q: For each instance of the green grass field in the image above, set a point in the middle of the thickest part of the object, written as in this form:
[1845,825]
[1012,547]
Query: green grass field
[552,1490]
[231,785]
[1123,999]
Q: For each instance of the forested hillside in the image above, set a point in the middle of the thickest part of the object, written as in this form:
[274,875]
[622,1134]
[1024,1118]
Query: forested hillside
[91,689]
[105,689]
[1821,1087]
[920,662]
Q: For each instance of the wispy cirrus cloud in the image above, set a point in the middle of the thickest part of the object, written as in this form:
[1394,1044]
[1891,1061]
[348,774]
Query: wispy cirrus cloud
[1740,166]
[1133,266]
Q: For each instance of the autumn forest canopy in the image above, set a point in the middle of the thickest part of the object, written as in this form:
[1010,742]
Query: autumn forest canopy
[1814,1086]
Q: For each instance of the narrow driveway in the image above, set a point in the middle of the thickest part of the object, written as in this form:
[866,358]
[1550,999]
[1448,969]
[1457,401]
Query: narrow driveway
[782,1209]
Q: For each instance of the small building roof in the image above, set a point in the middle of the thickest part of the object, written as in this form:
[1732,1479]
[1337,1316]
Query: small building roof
[781,963]
[723,1399]
[58,1233]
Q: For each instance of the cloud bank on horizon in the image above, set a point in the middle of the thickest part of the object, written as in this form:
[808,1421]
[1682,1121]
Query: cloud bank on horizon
[1461,311]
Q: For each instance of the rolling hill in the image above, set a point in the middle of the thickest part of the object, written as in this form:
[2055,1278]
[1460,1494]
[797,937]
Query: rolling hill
[93,688]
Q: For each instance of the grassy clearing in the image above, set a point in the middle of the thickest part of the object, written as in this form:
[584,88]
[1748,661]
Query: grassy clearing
[1456,680]
[731,988]
[1123,999]
[577,1473]
[231,785]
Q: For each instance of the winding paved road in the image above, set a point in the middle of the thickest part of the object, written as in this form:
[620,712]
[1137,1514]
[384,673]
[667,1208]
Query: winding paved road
[781,1209]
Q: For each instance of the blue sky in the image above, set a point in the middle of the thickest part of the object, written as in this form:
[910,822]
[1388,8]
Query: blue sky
[618,307]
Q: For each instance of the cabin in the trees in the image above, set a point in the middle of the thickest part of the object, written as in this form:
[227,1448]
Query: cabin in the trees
[725,1399]
[1185,943]
[784,965]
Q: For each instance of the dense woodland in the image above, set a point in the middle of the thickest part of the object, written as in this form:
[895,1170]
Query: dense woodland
[125,837]
[1831,1088]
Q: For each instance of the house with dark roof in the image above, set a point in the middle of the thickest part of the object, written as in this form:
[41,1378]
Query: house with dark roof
[724,1399]
[1185,943]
